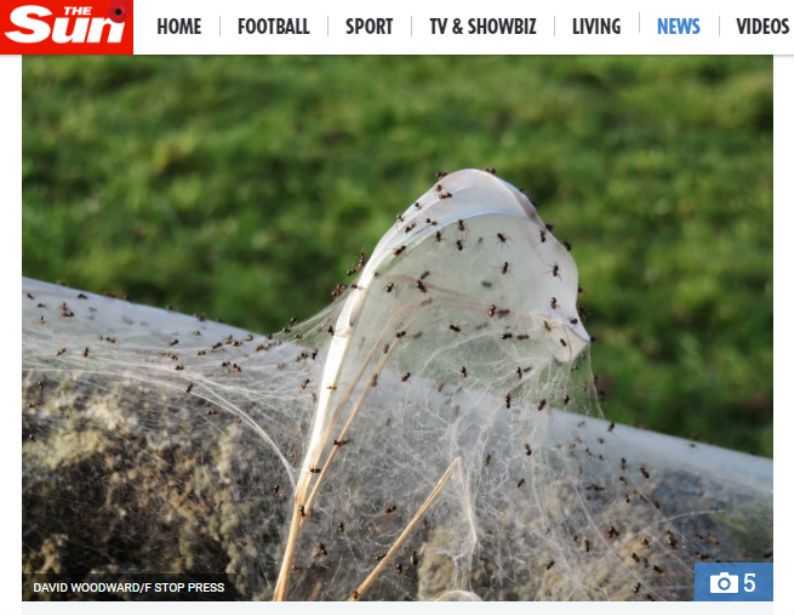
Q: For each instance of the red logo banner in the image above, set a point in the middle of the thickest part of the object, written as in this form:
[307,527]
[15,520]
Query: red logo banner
[56,27]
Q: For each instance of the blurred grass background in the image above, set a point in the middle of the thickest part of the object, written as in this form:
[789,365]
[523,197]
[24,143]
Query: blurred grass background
[244,187]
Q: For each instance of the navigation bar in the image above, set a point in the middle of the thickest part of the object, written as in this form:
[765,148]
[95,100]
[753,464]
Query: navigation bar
[245,27]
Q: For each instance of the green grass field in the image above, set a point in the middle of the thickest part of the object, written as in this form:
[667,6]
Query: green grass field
[245,187]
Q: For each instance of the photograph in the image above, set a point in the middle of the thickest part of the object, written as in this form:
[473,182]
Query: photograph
[395,327]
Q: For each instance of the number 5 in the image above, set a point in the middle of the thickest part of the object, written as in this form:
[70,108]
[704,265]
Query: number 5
[749,582]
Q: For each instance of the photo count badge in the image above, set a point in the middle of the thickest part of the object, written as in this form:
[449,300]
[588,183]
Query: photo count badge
[733,582]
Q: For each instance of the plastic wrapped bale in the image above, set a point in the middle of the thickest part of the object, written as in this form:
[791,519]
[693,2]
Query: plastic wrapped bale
[433,434]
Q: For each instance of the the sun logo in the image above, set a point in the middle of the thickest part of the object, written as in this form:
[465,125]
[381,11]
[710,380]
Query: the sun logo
[55,27]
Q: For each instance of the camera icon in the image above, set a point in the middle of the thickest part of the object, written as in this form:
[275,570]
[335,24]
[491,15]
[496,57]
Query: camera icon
[724,583]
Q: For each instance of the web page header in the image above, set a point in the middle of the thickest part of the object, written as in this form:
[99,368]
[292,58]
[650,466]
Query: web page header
[249,27]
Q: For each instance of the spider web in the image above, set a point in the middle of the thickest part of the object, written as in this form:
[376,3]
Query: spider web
[433,434]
